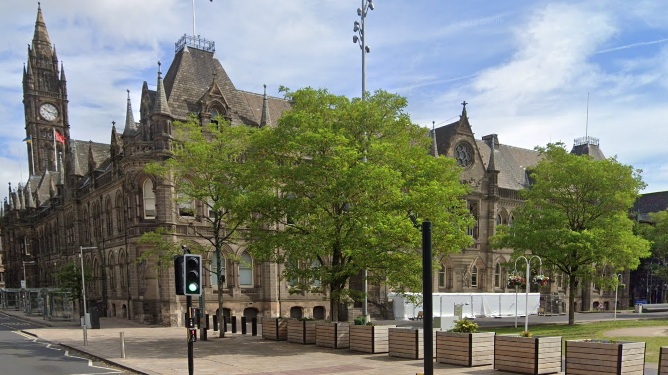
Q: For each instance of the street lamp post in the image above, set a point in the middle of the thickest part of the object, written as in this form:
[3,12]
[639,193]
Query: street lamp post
[618,280]
[359,38]
[83,292]
[359,28]
[528,285]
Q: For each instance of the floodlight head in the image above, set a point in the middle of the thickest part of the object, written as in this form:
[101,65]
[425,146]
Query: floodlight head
[359,11]
[367,49]
[370,4]
[355,38]
[356,26]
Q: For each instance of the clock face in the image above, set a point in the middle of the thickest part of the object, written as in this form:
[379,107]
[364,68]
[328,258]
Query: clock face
[48,112]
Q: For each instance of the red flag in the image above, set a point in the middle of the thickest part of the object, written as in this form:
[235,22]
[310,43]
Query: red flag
[60,138]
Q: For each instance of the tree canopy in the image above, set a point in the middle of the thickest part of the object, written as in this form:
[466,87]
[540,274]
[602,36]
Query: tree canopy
[68,278]
[206,168]
[336,182]
[575,217]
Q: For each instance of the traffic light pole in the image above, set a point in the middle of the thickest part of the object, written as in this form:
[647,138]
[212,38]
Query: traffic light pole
[191,364]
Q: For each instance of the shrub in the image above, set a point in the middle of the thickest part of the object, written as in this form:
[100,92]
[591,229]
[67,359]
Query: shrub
[526,334]
[360,321]
[465,326]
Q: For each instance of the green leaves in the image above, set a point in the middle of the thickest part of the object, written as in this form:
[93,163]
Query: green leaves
[576,215]
[347,173]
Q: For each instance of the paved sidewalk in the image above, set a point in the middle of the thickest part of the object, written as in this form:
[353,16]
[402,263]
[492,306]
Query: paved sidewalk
[163,350]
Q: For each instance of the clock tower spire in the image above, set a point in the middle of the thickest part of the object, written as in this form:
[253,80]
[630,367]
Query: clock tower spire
[45,101]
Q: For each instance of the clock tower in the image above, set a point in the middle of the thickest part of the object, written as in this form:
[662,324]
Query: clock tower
[45,103]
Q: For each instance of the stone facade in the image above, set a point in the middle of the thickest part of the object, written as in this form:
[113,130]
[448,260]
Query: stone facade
[496,174]
[95,199]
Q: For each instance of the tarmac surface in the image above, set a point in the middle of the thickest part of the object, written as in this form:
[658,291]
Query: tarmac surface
[163,350]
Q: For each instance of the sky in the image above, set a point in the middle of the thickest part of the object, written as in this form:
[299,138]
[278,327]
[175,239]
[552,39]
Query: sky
[526,68]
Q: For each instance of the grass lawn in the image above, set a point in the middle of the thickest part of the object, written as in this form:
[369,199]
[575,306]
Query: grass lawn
[596,331]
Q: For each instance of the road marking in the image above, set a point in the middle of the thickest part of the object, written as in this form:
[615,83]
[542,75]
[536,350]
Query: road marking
[67,354]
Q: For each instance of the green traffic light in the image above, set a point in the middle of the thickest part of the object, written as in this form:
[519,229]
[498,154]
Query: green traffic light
[192,287]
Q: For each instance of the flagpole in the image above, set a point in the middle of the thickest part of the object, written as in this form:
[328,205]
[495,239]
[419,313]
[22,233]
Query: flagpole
[55,153]
[32,157]
[194,35]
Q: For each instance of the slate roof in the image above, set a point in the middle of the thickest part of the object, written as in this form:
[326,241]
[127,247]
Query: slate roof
[511,162]
[276,106]
[190,76]
[650,203]
[101,153]
[588,149]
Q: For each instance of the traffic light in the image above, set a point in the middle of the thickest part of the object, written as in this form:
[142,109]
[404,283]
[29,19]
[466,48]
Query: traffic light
[179,281]
[193,275]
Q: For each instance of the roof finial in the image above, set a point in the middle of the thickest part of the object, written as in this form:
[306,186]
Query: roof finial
[464,103]
[128,90]
[159,72]
[113,123]
[433,125]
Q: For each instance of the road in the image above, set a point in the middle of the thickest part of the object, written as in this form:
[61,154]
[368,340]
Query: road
[21,353]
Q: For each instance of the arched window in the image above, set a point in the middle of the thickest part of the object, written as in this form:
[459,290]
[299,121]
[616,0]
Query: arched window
[214,114]
[474,277]
[97,225]
[497,275]
[124,270]
[315,281]
[441,277]
[84,227]
[214,270]
[510,221]
[109,216]
[149,200]
[246,270]
[498,220]
[110,272]
[186,206]
[119,212]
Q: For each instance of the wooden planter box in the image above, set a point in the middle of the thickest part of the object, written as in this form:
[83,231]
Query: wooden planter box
[527,355]
[465,349]
[332,335]
[370,339]
[601,358]
[301,332]
[275,329]
[663,360]
[407,343]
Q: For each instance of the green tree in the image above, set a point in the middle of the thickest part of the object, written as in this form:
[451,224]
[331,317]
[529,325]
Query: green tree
[68,279]
[657,234]
[344,176]
[575,217]
[205,166]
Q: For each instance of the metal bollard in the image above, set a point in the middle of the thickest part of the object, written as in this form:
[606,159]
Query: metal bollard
[122,344]
[254,326]
[85,332]
[215,323]
[234,324]
[224,323]
[243,325]
[207,321]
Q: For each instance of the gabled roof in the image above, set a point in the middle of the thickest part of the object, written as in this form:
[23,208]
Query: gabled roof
[511,162]
[189,77]
[276,106]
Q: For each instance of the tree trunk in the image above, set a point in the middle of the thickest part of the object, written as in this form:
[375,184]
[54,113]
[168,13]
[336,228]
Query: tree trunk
[334,303]
[571,299]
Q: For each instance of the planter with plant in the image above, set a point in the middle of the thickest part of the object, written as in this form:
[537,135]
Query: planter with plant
[332,335]
[527,354]
[275,329]
[464,345]
[301,331]
[604,357]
